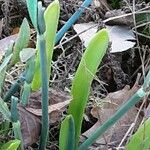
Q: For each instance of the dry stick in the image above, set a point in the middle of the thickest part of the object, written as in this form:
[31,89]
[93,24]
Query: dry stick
[125,15]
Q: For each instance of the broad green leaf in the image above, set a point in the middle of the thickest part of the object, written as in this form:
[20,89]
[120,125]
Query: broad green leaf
[11,145]
[32,6]
[84,76]
[67,134]
[141,139]
[51,16]
[4,110]
[22,41]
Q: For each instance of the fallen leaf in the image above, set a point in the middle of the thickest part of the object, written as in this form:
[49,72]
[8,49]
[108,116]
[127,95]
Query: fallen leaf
[15,30]
[30,116]
[54,111]
[121,37]
[4,44]
[104,111]
[52,108]
[30,127]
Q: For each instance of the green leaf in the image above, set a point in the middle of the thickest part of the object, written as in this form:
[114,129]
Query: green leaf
[25,94]
[141,139]
[22,41]
[51,16]
[4,110]
[4,65]
[84,76]
[32,6]
[17,132]
[67,134]
[11,145]
[5,62]
[3,68]
[41,22]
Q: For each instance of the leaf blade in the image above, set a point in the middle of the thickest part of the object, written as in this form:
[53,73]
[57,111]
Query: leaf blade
[51,16]
[84,76]
[67,134]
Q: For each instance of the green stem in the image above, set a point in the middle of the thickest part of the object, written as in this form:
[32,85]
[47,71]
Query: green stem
[14,88]
[44,75]
[15,121]
[123,109]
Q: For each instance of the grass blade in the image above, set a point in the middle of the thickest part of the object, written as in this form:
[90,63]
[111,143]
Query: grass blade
[84,76]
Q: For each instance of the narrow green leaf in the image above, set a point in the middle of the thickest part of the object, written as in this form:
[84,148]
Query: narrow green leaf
[51,16]
[5,62]
[11,145]
[41,22]
[67,134]
[141,139]
[25,94]
[17,132]
[22,41]
[3,68]
[14,110]
[32,6]
[4,110]
[3,71]
[84,76]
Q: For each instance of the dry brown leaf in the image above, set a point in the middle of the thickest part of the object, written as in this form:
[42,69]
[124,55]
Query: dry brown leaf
[4,43]
[30,117]
[54,111]
[52,108]
[30,127]
[59,101]
[108,107]
[15,30]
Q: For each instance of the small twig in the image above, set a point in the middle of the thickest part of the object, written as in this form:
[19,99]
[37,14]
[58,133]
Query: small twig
[125,136]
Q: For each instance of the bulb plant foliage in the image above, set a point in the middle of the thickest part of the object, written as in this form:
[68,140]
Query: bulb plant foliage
[37,73]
